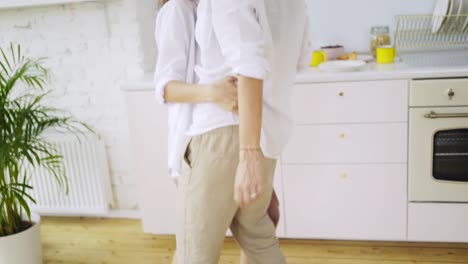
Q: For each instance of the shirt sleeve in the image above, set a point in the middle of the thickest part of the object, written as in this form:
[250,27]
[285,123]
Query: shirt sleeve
[240,36]
[173,36]
[306,50]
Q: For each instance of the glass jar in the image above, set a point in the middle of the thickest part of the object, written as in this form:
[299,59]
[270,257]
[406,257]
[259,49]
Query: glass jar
[380,36]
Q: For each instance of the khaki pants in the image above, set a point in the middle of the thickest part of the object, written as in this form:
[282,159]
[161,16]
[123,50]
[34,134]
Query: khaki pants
[206,207]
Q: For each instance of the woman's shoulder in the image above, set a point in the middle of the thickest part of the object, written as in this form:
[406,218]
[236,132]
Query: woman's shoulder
[185,8]
[178,14]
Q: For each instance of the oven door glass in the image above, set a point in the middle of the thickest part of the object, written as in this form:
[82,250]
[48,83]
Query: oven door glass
[450,155]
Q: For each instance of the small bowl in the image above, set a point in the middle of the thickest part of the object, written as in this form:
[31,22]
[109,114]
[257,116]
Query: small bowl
[333,52]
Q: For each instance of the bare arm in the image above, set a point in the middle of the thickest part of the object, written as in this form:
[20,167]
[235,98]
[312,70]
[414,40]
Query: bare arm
[243,44]
[249,183]
[181,92]
[224,93]
[250,112]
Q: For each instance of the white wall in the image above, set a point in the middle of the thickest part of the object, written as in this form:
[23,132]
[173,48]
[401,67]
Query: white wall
[348,22]
[91,48]
[146,12]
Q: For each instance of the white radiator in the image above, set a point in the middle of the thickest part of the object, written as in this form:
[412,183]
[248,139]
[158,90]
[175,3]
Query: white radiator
[90,192]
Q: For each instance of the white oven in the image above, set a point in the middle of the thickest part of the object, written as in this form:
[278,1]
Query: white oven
[438,140]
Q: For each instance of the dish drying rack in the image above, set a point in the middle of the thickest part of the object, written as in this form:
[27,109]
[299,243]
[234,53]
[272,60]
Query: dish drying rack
[417,32]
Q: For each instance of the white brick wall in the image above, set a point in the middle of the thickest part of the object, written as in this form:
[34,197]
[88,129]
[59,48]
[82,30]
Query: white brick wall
[91,48]
[349,22]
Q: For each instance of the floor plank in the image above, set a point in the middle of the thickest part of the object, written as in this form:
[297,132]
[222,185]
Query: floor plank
[121,241]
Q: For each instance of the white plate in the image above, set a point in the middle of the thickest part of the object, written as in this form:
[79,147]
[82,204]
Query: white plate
[365,57]
[440,11]
[342,66]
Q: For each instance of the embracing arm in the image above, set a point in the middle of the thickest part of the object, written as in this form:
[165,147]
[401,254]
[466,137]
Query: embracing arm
[224,93]
[182,92]
[174,39]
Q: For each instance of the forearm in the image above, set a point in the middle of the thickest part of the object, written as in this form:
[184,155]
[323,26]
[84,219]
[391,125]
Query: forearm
[250,111]
[181,92]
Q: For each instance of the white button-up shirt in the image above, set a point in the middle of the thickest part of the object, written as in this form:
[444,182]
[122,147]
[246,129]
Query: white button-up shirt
[177,55]
[262,39]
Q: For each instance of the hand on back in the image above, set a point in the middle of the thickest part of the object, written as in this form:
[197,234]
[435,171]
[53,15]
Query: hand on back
[225,94]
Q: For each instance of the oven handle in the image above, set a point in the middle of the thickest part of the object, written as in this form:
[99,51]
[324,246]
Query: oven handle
[434,115]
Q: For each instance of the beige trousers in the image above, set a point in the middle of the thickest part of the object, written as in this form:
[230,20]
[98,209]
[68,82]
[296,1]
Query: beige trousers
[206,207]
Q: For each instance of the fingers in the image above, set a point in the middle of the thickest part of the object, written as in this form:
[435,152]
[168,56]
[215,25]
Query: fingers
[238,195]
[246,199]
[243,194]
[233,107]
[259,177]
[249,181]
[248,196]
[251,189]
[232,80]
[230,106]
[248,192]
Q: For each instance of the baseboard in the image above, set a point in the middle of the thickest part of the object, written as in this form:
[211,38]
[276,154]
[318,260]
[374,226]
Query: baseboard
[120,213]
[112,213]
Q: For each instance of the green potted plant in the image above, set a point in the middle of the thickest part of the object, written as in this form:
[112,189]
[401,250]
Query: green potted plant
[24,120]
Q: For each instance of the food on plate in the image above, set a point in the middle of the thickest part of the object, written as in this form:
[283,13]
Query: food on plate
[348,56]
[332,47]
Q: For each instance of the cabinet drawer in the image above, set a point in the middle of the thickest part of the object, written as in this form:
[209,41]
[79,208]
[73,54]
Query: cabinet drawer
[365,202]
[351,102]
[438,222]
[453,92]
[377,143]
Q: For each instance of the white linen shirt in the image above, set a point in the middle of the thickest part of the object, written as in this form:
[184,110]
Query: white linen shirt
[177,55]
[262,39]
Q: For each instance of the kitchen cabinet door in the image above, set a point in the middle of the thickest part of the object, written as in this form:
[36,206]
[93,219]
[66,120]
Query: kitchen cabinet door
[355,202]
[438,222]
[363,143]
[453,92]
[148,139]
[351,102]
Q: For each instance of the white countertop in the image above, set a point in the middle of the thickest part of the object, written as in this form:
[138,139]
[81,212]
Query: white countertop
[453,64]
[375,71]
[416,65]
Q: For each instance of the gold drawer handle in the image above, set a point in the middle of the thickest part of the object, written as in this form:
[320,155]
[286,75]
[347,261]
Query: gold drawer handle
[344,175]
[451,93]
[341,94]
[434,115]
[342,135]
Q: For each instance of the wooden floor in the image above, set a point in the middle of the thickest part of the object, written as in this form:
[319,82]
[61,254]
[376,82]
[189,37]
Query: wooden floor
[93,241]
